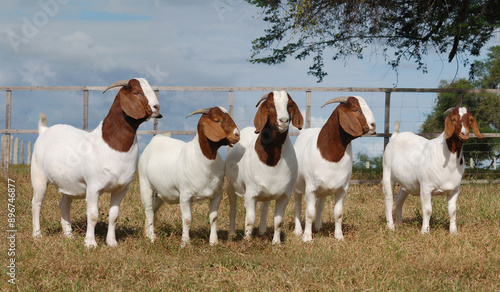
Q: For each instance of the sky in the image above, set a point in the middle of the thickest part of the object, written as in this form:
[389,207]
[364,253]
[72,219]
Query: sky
[175,43]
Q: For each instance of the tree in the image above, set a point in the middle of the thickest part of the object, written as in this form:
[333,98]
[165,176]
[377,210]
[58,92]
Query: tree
[403,30]
[484,74]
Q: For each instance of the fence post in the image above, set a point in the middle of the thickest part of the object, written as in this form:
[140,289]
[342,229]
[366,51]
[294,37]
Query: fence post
[15,151]
[29,153]
[459,98]
[155,121]
[22,151]
[387,117]
[230,103]
[6,157]
[308,109]
[85,110]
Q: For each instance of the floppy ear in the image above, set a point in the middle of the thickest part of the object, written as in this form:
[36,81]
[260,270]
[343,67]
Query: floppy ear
[260,119]
[294,112]
[449,128]
[131,105]
[349,122]
[212,130]
[475,128]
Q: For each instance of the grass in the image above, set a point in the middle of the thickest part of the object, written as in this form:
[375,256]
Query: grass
[370,258]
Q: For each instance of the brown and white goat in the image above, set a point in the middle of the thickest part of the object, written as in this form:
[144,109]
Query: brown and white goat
[175,172]
[427,167]
[84,165]
[263,166]
[325,162]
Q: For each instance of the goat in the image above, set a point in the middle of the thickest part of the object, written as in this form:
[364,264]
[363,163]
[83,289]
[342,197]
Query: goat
[263,166]
[176,172]
[427,167]
[84,165]
[325,162]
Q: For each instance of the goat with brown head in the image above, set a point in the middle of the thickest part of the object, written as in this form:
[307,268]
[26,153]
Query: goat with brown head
[216,128]
[271,122]
[351,119]
[457,127]
[175,172]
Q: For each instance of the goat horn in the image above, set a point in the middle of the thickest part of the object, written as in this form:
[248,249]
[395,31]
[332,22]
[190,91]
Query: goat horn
[448,111]
[123,82]
[336,99]
[199,111]
[262,98]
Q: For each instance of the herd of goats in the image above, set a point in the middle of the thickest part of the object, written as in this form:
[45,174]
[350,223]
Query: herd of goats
[261,164]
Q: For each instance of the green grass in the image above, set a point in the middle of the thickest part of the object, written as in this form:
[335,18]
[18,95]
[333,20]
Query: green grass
[370,258]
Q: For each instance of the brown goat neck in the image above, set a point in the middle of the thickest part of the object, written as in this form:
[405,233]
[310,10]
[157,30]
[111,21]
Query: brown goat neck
[268,145]
[118,129]
[209,148]
[454,145]
[332,139]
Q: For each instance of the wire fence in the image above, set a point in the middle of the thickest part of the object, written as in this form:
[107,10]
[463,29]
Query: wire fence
[72,104]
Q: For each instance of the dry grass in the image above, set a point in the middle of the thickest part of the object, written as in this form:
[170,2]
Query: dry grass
[370,258]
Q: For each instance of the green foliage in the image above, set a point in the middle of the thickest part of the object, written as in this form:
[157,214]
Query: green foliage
[486,74]
[363,158]
[403,30]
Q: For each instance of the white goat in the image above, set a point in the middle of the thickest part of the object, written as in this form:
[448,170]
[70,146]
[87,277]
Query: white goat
[84,165]
[176,172]
[263,166]
[325,162]
[427,167]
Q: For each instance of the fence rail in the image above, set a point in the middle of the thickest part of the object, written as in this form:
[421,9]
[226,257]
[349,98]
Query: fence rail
[230,90]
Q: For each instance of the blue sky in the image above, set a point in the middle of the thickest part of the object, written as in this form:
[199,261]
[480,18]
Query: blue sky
[171,43]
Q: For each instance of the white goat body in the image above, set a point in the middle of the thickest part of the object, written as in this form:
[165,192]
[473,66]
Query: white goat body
[256,172]
[85,165]
[427,167]
[175,172]
[325,162]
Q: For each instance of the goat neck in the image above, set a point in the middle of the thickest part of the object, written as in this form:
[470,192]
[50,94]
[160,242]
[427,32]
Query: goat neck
[118,129]
[208,148]
[454,145]
[332,139]
[269,143]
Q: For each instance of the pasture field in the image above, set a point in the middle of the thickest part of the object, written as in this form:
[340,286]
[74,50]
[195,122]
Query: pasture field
[370,258]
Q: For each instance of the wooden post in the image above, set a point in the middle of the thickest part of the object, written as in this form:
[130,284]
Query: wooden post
[230,103]
[85,110]
[308,109]
[22,151]
[387,117]
[155,122]
[16,151]
[5,154]
[8,102]
[29,153]
[459,98]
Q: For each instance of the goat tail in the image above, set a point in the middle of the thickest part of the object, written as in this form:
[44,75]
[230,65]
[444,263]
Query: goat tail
[397,124]
[42,123]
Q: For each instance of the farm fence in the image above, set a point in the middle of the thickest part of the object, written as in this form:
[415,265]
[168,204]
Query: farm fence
[409,105]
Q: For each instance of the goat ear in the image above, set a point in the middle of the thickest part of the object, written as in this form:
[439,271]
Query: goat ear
[132,106]
[475,129]
[212,129]
[294,112]
[260,119]
[349,122]
[449,128]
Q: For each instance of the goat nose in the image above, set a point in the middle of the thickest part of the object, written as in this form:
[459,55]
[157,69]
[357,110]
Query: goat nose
[284,120]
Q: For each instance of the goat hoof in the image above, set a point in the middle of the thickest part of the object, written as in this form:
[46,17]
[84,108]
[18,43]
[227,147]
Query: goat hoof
[90,243]
[307,237]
